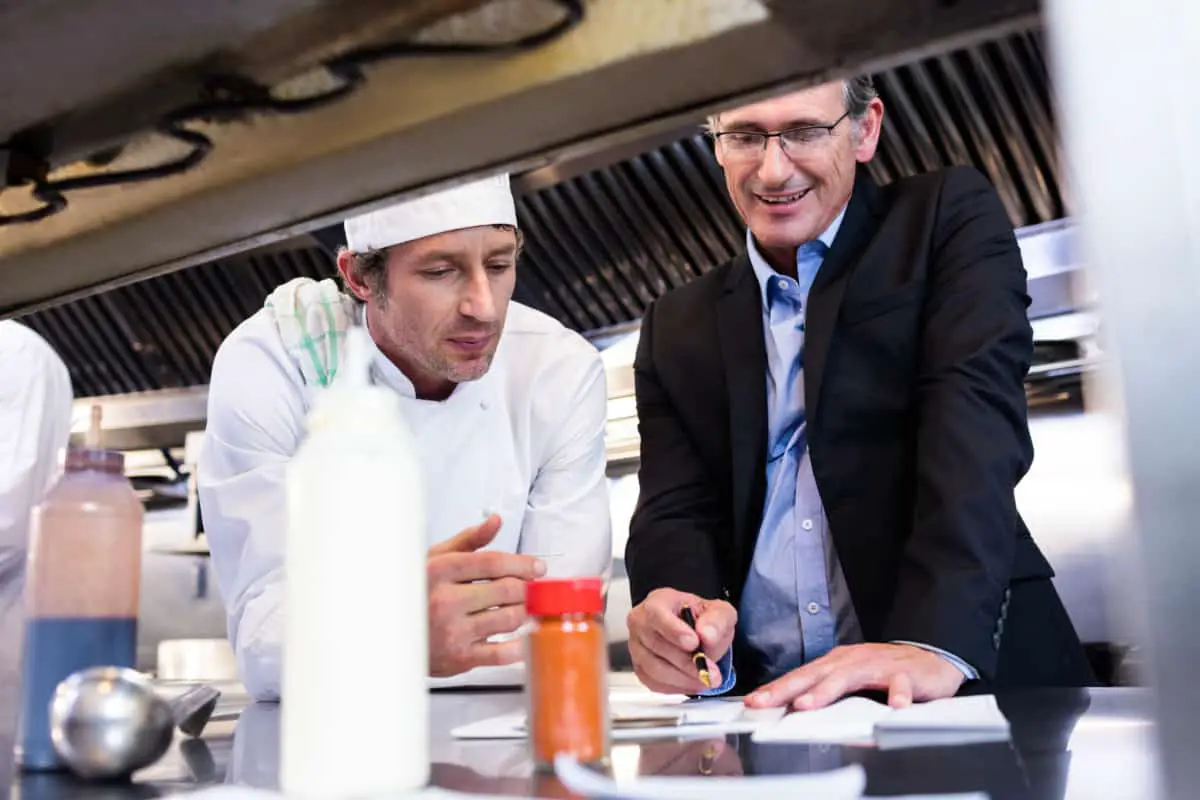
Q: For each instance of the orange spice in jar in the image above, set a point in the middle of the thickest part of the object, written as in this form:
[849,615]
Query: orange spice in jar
[567,671]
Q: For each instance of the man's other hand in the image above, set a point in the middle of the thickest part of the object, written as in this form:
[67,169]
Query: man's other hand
[661,644]
[905,672]
[474,595]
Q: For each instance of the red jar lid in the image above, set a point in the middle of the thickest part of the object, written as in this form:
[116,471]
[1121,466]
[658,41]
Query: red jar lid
[564,596]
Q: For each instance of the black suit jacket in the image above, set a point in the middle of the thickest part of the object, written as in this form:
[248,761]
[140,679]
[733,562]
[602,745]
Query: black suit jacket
[916,348]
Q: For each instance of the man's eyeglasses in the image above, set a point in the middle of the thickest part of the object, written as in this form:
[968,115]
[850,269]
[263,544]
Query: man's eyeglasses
[752,144]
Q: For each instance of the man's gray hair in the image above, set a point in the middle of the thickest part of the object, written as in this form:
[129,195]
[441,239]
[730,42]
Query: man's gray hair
[858,92]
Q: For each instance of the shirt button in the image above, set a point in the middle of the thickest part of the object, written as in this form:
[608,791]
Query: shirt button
[483,404]
[813,608]
[783,284]
[807,524]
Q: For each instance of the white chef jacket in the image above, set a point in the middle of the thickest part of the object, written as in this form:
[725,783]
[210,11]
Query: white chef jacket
[525,441]
[35,424]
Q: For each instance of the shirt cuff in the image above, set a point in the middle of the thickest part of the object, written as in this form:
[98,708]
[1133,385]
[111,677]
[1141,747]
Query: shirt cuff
[728,676]
[966,669]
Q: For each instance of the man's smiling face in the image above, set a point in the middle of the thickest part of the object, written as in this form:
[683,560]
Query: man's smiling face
[790,196]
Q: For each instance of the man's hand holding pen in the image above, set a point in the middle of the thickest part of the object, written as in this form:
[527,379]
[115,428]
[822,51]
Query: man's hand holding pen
[661,643]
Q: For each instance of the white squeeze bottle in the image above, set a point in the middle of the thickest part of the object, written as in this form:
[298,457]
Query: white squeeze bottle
[355,707]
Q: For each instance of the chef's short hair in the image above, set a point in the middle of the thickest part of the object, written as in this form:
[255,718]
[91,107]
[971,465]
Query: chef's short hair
[371,265]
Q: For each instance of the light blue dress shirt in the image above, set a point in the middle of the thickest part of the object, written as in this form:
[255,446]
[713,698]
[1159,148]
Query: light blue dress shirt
[795,606]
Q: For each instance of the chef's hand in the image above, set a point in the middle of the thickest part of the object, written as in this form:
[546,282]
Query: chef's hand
[661,644]
[475,594]
[906,672]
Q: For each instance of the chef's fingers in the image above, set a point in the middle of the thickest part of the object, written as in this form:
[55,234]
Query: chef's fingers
[475,597]
[496,621]
[483,566]
[469,539]
[497,655]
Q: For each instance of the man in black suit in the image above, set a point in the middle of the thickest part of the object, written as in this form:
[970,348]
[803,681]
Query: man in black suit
[833,424]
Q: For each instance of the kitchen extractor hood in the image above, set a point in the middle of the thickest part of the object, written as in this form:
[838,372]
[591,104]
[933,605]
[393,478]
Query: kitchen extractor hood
[609,230]
[90,91]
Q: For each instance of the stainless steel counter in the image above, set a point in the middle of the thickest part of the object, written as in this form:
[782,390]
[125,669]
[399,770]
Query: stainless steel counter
[1066,744]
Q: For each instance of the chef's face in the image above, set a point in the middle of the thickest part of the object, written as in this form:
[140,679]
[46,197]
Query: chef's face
[441,307]
[789,197]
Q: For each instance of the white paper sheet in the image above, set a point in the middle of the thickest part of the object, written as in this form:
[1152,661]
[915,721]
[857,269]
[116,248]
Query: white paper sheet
[681,718]
[511,676]
[953,721]
[848,721]
[846,783]
[979,712]
[856,720]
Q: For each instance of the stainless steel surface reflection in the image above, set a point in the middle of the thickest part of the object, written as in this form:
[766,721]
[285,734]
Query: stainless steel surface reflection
[1067,745]
[108,722]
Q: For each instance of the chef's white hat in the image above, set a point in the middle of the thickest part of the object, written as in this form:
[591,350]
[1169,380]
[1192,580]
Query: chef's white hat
[484,202]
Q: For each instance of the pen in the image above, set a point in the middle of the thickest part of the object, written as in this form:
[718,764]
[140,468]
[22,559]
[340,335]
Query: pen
[698,657]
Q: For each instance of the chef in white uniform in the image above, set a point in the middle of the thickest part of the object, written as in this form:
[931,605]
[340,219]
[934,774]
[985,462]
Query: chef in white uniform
[35,424]
[508,408]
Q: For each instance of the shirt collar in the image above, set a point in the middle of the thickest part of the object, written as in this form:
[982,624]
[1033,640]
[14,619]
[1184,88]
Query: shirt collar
[382,368]
[763,271]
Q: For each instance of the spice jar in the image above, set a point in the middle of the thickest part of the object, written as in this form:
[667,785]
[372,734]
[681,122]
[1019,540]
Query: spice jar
[567,671]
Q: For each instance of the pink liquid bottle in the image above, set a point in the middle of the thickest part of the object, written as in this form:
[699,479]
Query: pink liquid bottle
[83,581]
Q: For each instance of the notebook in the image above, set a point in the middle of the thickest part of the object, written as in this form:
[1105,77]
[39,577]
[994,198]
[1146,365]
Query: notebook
[859,721]
[953,721]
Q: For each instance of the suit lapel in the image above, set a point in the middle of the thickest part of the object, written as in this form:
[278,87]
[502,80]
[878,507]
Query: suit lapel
[744,355]
[825,296]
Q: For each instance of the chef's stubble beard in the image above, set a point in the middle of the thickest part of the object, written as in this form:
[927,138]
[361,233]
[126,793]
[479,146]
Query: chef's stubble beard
[465,373]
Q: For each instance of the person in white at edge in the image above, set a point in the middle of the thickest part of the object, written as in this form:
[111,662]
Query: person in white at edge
[507,406]
[35,424]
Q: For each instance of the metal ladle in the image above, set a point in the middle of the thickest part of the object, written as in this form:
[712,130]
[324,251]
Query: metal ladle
[194,708]
[108,722]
